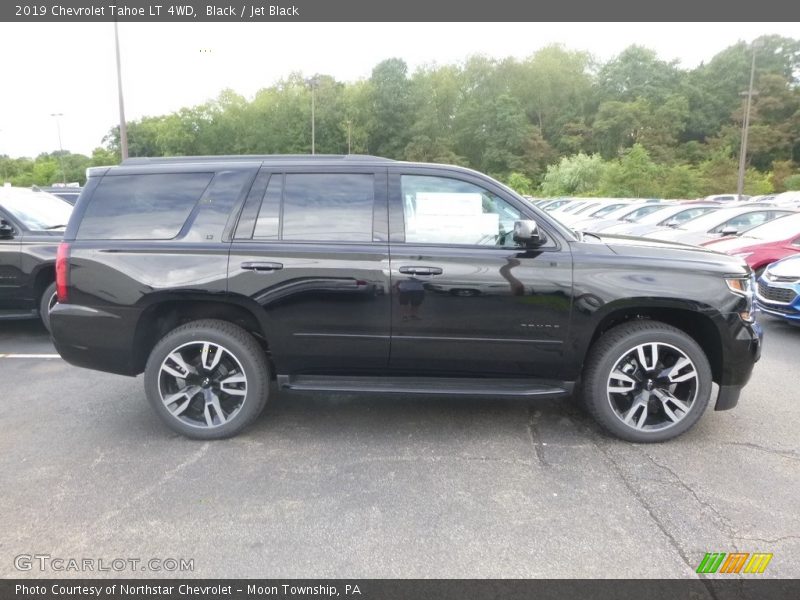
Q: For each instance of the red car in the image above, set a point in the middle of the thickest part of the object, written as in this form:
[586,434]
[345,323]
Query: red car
[764,244]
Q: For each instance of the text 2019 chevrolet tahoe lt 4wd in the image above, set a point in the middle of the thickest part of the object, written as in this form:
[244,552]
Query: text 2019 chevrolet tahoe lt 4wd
[215,276]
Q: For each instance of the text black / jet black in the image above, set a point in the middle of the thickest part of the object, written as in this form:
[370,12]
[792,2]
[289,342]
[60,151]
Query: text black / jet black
[216,275]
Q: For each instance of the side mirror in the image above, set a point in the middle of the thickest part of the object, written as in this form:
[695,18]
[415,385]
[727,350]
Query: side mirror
[729,230]
[527,233]
[6,230]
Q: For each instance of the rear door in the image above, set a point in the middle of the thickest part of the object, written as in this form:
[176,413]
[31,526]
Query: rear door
[311,250]
[466,299]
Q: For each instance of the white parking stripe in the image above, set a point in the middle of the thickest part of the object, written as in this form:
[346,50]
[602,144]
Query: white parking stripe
[30,356]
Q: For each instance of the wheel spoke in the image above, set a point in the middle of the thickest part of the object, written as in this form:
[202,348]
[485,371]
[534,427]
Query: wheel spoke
[680,364]
[648,364]
[624,382]
[186,394]
[666,397]
[209,360]
[226,385]
[213,404]
[639,404]
[180,369]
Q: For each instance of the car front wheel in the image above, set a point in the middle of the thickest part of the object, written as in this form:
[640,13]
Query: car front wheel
[646,381]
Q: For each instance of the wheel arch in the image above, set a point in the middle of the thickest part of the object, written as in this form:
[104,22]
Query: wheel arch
[164,313]
[698,325]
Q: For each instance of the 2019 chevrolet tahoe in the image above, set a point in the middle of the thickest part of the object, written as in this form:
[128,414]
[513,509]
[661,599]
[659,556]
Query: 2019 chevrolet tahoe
[221,277]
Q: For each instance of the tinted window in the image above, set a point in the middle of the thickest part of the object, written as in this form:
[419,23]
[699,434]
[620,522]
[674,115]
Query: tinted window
[142,207]
[328,207]
[440,210]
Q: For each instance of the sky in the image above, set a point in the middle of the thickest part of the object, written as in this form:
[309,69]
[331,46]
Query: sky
[69,68]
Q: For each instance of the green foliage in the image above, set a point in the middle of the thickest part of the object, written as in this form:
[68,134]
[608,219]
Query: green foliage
[578,175]
[792,183]
[521,184]
[635,126]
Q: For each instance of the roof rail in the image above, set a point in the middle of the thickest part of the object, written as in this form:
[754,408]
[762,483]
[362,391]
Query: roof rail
[139,160]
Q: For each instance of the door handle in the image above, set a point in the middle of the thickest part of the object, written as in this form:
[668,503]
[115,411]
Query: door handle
[262,266]
[414,270]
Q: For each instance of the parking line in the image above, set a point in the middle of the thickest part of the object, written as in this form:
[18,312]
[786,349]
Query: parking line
[30,356]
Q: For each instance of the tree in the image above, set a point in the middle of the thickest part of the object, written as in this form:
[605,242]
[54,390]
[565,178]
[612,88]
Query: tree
[574,175]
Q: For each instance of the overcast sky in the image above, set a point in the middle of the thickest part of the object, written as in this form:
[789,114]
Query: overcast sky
[69,68]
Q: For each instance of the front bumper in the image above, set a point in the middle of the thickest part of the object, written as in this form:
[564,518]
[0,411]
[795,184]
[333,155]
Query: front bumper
[743,351]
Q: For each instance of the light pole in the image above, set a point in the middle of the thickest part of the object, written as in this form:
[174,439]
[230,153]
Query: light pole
[349,134]
[746,127]
[57,117]
[123,128]
[313,82]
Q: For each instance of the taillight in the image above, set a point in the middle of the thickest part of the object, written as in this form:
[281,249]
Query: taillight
[62,272]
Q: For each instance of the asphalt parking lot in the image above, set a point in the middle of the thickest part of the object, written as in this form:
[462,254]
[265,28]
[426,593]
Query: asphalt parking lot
[360,486]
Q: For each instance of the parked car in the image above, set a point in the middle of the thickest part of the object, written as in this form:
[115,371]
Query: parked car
[764,244]
[718,224]
[596,209]
[552,205]
[778,289]
[31,225]
[630,213]
[726,198]
[785,200]
[213,276]
[666,216]
[68,193]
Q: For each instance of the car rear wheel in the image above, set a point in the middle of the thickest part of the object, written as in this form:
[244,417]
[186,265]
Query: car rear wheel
[207,379]
[46,302]
[646,381]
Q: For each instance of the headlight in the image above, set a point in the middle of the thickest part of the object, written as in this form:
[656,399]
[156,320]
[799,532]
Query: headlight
[743,286]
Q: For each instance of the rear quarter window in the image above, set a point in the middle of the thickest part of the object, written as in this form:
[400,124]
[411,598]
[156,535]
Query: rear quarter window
[142,207]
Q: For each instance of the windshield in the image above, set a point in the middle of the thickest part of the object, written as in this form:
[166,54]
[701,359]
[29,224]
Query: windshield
[779,229]
[37,211]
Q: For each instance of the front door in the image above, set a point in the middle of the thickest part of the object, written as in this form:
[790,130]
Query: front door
[11,278]
[466,299]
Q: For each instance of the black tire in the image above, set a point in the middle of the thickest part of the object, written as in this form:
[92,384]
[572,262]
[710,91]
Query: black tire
[46,302]
[609,408]
[239,351]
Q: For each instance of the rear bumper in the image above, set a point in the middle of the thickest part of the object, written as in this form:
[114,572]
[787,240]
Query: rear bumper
[94,339]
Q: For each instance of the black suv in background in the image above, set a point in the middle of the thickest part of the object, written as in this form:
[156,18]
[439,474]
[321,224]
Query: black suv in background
[31,226]
[216,276]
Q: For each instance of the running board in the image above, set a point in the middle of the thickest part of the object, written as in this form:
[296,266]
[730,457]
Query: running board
[423,385]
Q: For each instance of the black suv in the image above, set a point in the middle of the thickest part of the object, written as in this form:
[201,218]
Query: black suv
[216,276]
[31,226]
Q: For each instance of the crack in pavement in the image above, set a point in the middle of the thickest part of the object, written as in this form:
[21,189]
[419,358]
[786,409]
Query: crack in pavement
[766,541]
[783,453]
[617,469]
[533,434]
[723,522]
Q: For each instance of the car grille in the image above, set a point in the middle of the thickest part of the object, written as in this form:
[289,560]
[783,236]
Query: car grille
[776,294]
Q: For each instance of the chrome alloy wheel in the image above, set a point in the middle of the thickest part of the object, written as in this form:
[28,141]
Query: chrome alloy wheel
[202,384]
[652,386]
